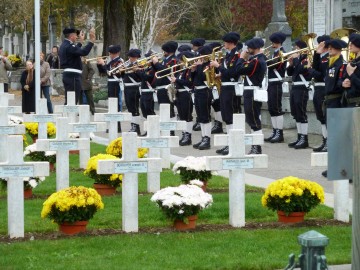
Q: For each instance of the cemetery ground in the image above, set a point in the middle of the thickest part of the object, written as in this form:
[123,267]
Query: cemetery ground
[262,244]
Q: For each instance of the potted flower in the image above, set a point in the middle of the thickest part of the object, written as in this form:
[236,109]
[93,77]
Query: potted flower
[15,60]
[191,168]
[182,204]
[33,130]
[292,197]
[72,208]
[33,154]
[115,148]
[105,184]
[29,184]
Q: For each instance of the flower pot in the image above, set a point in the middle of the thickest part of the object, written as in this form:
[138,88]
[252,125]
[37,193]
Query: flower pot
[105,190]
[52,167]
[204,186]
[74,152]
[27,193]
[34,138]
[182,226]
[73,228]
[293,217]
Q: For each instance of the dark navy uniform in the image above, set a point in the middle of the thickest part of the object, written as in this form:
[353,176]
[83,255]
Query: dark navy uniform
[70,60]
[352,95]
[147,91]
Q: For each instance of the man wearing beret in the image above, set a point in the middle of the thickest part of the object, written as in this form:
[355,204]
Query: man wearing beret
[318,72]
[70,59]
[276,74]
[229,80]
[299,95]
[169,48]
[252,64]
[352,81]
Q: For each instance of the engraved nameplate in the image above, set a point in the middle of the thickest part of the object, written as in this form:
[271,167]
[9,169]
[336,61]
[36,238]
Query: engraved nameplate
[155,143]
[16,171]
[63,145]
[113,117]
[130,167]
[7,130]
[43,118]
[84,127]
[14,109]
[167,126]
[71,109]
[235,163]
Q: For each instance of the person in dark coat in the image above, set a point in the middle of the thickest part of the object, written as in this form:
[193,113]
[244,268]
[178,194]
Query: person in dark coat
[53,58]
[27,81]
[86,83]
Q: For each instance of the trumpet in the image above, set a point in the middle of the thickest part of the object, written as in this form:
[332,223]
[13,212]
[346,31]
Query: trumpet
[95,58]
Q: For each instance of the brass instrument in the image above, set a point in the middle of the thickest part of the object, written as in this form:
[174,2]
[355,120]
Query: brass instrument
[113,71]
[267,51]
[211,78]
[171,88]
[309,40]
[95,58]
[157,76]
[344,34]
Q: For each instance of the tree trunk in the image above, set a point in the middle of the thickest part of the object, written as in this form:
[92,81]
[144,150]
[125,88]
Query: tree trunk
[118,20]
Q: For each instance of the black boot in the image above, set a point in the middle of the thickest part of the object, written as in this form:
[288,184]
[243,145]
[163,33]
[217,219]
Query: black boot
[325,148]
[320,148]
[217,128]
[272,135]
[225,151]
[205,144]
[303,142]
[324,173]
[292,144]
[135,128]
[186,140]
[144,134]
[279,136]
[182,137]
[196,145]
[172,133]
[255,150]
[196,126]
[119,127]
[219,151]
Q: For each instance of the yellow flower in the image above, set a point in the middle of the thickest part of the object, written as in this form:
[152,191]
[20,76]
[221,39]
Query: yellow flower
[115,148]
[32,128]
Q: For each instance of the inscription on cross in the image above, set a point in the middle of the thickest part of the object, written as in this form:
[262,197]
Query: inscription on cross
[4,101]
[130,165]
[236,162]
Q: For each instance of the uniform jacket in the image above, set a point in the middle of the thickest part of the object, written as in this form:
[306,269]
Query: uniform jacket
[319,66]
[4,67]
[130,74]
[228,67]
[184,79]
[70,54]
[165,63]
[198,76]
[103,70]
[254,68]
[333,78]
[280,67]
[87,75]
[147,77]
[299,67]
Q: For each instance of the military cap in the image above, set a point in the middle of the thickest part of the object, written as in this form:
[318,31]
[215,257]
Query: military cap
[231,37]
[198,42]
[322,38]
[355,39]
[336,43]
[114,49]
[170,47]
[149,53]
[70,31]
[184,48]
[255,43]
[301,44]
[214,44]
[134,53]
[205,50]
[239,46]
[187,54]
[277,37]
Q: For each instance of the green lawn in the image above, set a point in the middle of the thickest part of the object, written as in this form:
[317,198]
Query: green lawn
[212,246]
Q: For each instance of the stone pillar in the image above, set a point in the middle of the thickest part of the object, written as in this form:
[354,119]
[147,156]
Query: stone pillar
[334,15]
[52,31]
[324,16]
[279,23]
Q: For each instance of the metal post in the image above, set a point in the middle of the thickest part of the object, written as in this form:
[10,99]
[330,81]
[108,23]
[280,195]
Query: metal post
[37,54]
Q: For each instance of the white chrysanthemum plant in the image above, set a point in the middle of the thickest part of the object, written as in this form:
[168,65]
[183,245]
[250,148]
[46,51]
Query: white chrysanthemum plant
[191,168]
[32,182]
[14,120]
[183,201]
[35,155]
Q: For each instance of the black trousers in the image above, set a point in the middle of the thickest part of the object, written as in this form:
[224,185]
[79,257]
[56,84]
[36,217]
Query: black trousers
[252,110]
[203,99]
[184,105]
[216,104]
[72,83]
[237,104]
[227,103]
[275,99]
[90,100]
[318,100]
[132,97]
[147,104]
[164,98]
[299,97]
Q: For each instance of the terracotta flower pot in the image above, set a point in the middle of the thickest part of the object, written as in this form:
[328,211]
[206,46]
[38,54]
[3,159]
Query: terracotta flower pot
[105,190]
[204,186]
[73,228]
[182,226]
[52,167]
[34,138]
[74,152]
[28,193]
[293,217]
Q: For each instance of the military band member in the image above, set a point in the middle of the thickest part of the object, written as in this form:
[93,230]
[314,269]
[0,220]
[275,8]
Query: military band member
[132,81]
[276,74]
[184,104]
[229,80]
[299,95]
[70,59]
[318,72]
[183,48]
[237,101]
[252,64]
[203,97]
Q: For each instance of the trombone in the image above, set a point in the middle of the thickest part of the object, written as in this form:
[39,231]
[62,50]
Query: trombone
[286,56]
[172,72]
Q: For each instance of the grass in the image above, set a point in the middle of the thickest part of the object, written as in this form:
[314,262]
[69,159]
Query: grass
[158,248]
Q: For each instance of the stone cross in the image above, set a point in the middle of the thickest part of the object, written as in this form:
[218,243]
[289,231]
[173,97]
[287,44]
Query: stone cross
[155,142]
[15,169]
[62,145]
[129,165]
[341,189]
[166,125]
[236,162]
[112,117]
[42,117]
[4,101]
[84,127]
[70,110]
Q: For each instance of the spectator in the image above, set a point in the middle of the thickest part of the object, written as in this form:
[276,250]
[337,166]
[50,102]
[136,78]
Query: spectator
[5,66]
[45,73]
[28,88]
[86,83]
[53,58]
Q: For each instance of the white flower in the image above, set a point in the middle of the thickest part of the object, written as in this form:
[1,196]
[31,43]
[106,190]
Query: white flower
[74,135]
[50,153]
[33,183]
[190,163]
[30,149]
[196,182]
[14,120]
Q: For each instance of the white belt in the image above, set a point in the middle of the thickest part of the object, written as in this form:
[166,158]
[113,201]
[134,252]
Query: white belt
[300,83]
[182,90]
[161,87]
[131,84]
[200,87]
[249,87]
[146,90]
[228,83]
[275,80]
[320,84]
[113,80]
[73,70]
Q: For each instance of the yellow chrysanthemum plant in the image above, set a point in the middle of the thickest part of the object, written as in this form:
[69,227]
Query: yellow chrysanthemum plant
[292,194]
[33,129]
[108,179]
[72,204]
[115,149]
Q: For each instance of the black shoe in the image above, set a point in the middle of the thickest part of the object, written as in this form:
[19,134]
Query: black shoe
[303,142]
[217,128]
[196,126]
[279,136]
[196,145]
[107,130]
[225,151]
[186,140]
[321,147]
[219,151]
[272,135]
[182,137]
[119,127]
[143,135]
[135,128]
[350,181]
[255,150]
[324,173]
[205,144]
[172,133]
[292,144]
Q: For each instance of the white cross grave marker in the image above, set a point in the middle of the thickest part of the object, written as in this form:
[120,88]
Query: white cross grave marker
[2,88]
[70,110]
[236,162]
[62,144]
[84,127]
[112,117]
[155,142]
[166,125]
[341,189]
[129,165]
[4,101]
[15,169]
